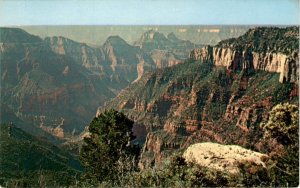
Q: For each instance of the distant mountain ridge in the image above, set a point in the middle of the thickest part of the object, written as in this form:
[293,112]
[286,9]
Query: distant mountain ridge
[151,40]
[47,90]
[56,84]
[8,35]
[165,51]
[97,35]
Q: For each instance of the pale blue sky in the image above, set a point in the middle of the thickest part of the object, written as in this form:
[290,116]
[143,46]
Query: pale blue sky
[148,12]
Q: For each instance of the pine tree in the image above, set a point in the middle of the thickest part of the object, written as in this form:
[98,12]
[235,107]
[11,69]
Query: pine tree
[108,144]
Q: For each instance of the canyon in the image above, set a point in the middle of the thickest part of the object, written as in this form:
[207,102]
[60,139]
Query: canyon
[177,92]
[220,95]
[54,85]
[193,105]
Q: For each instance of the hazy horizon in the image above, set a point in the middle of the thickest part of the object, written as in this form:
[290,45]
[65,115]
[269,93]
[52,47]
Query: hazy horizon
[97,35]
[150,12]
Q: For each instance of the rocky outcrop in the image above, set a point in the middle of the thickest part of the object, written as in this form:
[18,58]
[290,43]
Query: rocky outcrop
[58,132]
[203,54]
[164,58]
[174,127]
[157,148]
[268,49]
[151,40]
[248,111]
[89,57]
[223,157]
[153,146]
[118,59]
[286,65]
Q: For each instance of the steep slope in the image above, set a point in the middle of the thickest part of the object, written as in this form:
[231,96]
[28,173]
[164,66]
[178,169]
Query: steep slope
[201,100]
[8,115]
[89,57]
[121,62]
[269,49]
[7,35]
[45,89]
[25,159]
[126,62]
[117,61]
[53,84]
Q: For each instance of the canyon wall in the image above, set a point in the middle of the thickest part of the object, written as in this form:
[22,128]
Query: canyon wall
[223,94]
[286,65]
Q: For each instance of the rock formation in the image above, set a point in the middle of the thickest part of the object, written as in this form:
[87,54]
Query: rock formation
[41,86]
[221,95]
[89,57]
[267,49]
[59,78]
[286,65]
[225,158]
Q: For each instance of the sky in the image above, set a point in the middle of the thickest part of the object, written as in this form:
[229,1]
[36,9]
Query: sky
[149,12]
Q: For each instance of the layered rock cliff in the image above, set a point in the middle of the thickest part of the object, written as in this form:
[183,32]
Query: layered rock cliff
[280,56]
[89,57]
[286,65]
[116,59]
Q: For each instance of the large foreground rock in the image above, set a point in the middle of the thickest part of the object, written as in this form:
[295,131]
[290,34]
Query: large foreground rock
[222,157]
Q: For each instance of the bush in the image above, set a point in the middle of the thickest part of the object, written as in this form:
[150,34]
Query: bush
[177,173]
[282,127]
[283,124]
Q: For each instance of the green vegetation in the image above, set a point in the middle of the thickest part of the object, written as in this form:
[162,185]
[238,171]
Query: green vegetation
[27,161]
[189,95]
[282,165]
[108,147]
[282,126]
[263,39]
[176,173]
[263,84]
[110,160]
